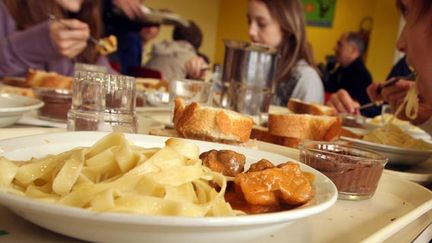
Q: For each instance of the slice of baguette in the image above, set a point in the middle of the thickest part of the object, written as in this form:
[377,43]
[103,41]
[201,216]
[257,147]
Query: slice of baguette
[262,134]
[300,107]
[212,124]
[304,126]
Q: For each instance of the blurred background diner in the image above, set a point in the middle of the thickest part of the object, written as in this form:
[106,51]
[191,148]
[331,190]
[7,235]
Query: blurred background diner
[352,42]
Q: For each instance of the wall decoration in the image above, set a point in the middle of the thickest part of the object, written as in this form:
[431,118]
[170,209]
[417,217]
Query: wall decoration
[319,12]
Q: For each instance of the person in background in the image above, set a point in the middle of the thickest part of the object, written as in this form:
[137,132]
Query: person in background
[281,24]
[344,100]
[124,19]
[351,77]
[172,57]
[29,40]
[414,41]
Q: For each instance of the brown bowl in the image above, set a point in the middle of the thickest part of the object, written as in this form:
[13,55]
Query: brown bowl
[57,103]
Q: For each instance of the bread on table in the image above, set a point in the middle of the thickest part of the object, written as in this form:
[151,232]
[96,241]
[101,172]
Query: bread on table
[39,78]
[212,124]
[304,126]
[300,107]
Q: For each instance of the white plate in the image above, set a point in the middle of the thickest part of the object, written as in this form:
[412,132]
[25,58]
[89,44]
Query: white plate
[13,106]
[396,155]
[90,226]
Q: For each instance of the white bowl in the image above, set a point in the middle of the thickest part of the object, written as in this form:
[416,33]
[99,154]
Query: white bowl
[117,227]
[13,106]
[396,155]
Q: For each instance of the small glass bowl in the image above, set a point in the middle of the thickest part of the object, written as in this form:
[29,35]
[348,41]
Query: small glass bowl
[57,103]
[354,171]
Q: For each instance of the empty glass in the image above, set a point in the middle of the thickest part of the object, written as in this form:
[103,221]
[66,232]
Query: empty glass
[251,100]
[102,102]
[191,91]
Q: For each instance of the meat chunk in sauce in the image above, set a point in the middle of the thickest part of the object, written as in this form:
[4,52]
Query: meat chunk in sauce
[226,162]
[285,183]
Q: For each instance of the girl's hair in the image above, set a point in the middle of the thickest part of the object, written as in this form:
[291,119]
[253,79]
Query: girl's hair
[294,45]
[424,6]
[28,13]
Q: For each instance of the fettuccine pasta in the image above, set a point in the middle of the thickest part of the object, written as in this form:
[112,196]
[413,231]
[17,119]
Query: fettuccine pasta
[395,136]
[115,176]
[392,134]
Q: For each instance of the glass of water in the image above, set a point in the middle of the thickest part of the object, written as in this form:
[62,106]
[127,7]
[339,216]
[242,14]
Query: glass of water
[103,102]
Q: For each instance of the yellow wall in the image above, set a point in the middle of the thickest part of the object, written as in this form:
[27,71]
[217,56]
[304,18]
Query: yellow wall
[348,15]
[203,12]
[226,19]
[383,39]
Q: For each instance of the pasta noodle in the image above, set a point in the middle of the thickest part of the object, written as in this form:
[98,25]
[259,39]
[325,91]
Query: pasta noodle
[395,136]
[115,176]
[392,134]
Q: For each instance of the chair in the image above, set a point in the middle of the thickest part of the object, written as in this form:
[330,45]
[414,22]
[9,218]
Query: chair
[144,72]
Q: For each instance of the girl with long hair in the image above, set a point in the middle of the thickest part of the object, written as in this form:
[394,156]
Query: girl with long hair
[281,24]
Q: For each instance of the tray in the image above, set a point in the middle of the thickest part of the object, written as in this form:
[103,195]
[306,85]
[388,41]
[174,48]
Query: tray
[399,212]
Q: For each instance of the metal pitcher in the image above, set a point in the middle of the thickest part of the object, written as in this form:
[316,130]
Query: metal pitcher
[248,76]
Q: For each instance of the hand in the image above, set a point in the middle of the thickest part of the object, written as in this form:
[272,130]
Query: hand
[196,67]
[395,95]
[374,92]
[343,103]
[69,36]
[131,8]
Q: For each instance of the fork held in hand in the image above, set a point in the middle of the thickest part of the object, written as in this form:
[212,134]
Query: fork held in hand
[91,39]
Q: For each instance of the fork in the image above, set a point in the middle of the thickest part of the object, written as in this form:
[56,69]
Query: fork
[392,81]
[93,40]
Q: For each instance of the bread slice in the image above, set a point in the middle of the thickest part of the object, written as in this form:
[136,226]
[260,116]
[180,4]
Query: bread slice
[304,126]
[211,124]
[301,107]
[262,134]
[39,78]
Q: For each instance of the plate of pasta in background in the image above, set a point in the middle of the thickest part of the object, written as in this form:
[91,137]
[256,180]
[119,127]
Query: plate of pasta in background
[399,147]
[96,186]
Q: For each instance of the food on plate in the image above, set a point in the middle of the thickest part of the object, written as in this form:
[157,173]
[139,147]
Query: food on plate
[308,121]
[290,129]
[264,187]
[354,171]
[393,135]
[107,45]
[300,107]
[209,123]
[226,162]
[116,176]
[17,90]
[386,118]
[39,78]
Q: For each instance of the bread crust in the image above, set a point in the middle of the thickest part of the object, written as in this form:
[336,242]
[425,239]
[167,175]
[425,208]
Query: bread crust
[300,107]
[38,78]
[305,126]
[212,124]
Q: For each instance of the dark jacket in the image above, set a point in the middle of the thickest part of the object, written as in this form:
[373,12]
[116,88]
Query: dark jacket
[355,79]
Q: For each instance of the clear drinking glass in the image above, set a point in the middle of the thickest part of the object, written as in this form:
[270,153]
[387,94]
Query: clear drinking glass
[251,100]
[191,91]
[103,102]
